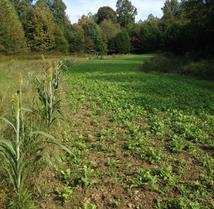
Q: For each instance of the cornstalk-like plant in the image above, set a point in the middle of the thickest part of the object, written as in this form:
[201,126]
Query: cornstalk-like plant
[13,150]
[47,88]
[10,149]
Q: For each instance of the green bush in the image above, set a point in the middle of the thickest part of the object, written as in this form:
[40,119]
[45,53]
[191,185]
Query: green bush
[203,69]
[168,63]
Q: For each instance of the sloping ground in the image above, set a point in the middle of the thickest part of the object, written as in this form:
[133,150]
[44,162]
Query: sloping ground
[139,140]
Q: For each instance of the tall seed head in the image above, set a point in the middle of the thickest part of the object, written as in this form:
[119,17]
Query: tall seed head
[50,70]
[16,100]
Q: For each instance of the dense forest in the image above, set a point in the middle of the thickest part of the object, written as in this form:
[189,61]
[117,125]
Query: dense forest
[186,27]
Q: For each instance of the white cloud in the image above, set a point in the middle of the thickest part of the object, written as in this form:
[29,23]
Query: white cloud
[76,8]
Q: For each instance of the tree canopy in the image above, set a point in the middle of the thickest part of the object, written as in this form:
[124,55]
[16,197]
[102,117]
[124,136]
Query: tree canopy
[187,26]
[126,12]
[12,38]
[106,13]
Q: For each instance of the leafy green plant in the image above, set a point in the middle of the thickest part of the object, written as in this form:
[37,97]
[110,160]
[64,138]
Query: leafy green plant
[167,176]
[152,155]
[66,176]
[137,146]
[88,205]
[85,178]
[188,127]
[208,163]
[194,191]
[64,193]
[176,144]
[180,203]
[158,126]
[115,203]
[145,178]
[111,162]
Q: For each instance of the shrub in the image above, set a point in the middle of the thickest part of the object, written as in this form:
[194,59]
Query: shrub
[203,69]
[168,63]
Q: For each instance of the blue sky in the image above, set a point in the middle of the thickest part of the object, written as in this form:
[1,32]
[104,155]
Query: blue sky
[76,8]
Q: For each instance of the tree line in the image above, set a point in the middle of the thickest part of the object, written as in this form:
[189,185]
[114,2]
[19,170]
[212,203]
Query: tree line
[43,26]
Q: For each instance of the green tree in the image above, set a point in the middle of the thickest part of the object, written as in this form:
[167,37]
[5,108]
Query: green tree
[200,13]
[76,39]
[94,39]
[12,37]
[126,12]
[146,36]
[110,31]
[135,33]
[177,37]
[60,42]
[121,43]
[106,13]
[58,9]
[150,34]
[24,11]
[172,9]
[42,36]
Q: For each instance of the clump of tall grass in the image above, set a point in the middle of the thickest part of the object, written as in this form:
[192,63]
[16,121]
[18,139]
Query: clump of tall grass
[21,151]
[48,91]
[11,150]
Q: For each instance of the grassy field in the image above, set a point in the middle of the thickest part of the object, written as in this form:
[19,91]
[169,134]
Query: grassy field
[139,140]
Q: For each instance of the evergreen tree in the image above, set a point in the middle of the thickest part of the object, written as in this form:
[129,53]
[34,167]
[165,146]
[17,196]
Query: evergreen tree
[12,37]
